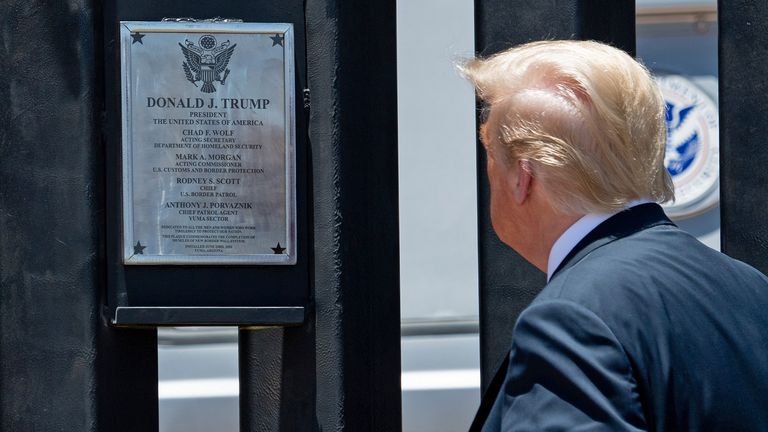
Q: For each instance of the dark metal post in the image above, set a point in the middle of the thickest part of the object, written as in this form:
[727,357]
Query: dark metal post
[277,379]
[341,370]
[61,366]
[353,129]
[508,283]
[743,50]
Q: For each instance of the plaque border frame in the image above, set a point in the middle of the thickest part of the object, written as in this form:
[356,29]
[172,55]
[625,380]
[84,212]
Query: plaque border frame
[286,29]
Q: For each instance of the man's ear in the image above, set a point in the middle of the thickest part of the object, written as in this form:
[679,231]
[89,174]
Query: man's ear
[523,179]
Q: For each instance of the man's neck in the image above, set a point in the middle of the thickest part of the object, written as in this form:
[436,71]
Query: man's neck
[570,237]
[546,230]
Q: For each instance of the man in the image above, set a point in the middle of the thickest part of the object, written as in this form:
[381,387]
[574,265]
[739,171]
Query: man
[640,326]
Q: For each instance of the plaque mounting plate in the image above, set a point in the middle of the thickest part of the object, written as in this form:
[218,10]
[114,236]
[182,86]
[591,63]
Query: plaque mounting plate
[208,143]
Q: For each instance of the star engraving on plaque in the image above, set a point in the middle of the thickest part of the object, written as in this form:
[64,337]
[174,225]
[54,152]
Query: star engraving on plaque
[139,249]
[137,38]
[277,39]
[279,250]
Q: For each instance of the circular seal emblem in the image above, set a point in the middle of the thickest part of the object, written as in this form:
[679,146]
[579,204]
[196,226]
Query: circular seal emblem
[692,156]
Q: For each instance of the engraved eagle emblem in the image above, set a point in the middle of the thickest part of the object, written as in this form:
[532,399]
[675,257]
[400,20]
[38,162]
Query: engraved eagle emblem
[206,62]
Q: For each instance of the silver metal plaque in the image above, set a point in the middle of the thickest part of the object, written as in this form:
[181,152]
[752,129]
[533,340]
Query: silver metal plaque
[208,143]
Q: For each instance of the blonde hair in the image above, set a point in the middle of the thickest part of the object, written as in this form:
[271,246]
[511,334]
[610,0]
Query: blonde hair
[587,117]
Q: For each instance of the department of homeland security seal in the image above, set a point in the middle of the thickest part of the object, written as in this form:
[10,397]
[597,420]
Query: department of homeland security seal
[692,156]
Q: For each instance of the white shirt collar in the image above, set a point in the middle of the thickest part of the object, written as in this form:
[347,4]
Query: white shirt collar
[573,235]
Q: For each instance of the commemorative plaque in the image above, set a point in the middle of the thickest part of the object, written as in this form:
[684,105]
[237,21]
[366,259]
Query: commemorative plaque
[208,143]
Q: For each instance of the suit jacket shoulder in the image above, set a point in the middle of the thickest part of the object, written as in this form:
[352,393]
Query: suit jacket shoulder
[641,328]
[689,320]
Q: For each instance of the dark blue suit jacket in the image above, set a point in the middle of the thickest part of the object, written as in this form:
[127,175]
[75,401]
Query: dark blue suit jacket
[641,328]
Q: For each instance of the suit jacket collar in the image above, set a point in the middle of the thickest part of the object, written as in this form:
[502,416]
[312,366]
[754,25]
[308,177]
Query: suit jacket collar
[620,225]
